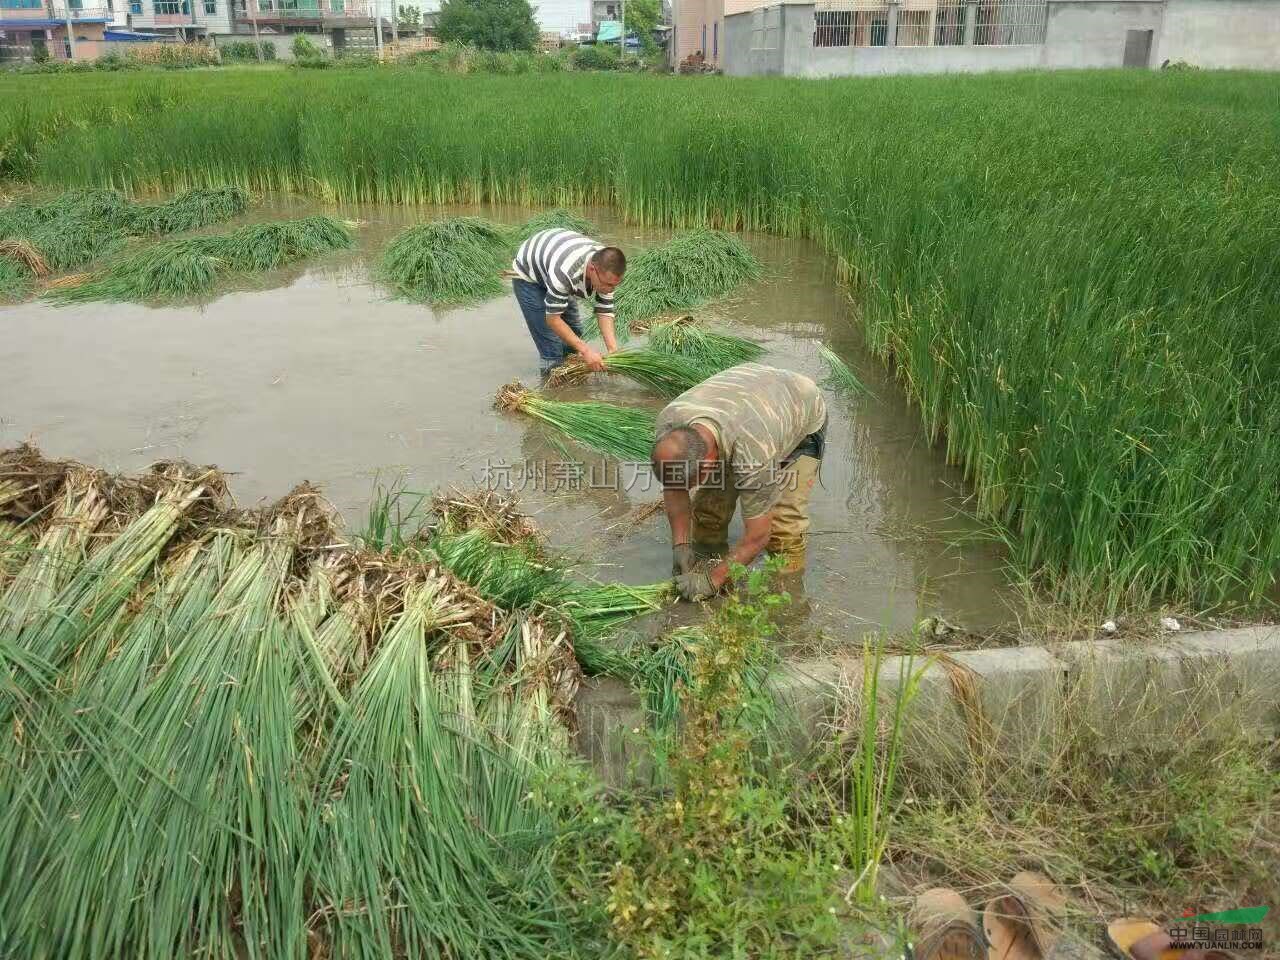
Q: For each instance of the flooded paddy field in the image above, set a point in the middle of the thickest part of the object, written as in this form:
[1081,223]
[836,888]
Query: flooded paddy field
[315,373]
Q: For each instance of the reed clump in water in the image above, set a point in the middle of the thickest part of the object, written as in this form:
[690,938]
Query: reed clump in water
[839,377]
[192,266]
[687,271]
[622,432]
[451,261]
[711,350]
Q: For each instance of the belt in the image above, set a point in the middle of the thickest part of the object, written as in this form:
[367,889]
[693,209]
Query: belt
[812,445]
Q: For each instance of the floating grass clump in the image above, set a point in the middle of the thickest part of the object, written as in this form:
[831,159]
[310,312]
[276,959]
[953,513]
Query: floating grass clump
[685,272]
[622,432]
[839,377]
[191,266]
[191,210]
[668,374]
[451,261]
[710,350]
[237,735]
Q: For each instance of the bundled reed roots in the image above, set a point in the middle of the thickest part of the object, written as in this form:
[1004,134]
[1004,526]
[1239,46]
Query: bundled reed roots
[191,266]
[236,735]
[622,432]
[685,272]
[712,351]
[459,260]
[839,377]
[668,374]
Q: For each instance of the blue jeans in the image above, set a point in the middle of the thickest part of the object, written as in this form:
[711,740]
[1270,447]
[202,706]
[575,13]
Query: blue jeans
[552,351]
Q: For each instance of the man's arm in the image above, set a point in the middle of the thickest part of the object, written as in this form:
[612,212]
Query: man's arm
[606,331]
[755,537]
[678,505]
[562,330]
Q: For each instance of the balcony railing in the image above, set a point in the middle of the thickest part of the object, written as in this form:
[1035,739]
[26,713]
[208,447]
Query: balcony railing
[286,10]
[52,10]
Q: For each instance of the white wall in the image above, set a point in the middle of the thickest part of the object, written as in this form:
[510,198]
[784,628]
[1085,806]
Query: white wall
[561,16]
[1091,33]
[1221,33]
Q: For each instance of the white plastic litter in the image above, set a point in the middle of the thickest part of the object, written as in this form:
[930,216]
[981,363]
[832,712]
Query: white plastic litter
[1169,623]
[1109,626]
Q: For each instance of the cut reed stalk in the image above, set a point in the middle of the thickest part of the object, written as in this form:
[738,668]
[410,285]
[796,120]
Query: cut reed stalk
[451,261]
[711,350]
[667,374]
[622,432]
[840,378]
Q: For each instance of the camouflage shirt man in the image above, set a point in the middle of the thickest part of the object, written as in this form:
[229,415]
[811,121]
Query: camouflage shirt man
[751,435]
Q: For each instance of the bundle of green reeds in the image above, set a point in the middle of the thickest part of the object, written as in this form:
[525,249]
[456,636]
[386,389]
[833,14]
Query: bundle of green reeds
[709,349]
[622,432]
[668,374]
[237,736]
[840,378]
[456,260]
[190,211]
[191,266]
[688,270]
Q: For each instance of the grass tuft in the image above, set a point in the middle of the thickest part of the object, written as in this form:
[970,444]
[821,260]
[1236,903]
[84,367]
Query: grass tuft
[840,378]
[191,266]
[451,261]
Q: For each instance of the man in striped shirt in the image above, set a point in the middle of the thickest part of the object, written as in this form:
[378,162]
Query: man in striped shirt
[552,268]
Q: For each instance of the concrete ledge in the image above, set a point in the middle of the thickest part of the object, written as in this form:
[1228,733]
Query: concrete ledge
[1019,700]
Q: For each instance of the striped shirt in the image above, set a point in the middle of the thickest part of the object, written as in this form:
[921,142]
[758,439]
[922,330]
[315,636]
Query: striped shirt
[556,260]
[758,415]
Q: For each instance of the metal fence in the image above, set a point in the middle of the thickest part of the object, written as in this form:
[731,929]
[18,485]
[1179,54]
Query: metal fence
[929,23]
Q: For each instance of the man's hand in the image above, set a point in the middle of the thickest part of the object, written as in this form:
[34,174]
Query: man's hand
[695,586]
[681,559]
[593,360]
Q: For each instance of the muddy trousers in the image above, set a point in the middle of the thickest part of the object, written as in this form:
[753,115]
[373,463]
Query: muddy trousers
[789,530]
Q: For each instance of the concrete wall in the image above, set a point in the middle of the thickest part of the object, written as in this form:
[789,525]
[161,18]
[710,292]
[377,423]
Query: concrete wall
[1079,34]
[1091,33]
[1221,34]
[691,21]
[881,61]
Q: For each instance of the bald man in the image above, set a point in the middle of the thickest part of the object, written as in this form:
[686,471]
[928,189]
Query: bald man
[750,436]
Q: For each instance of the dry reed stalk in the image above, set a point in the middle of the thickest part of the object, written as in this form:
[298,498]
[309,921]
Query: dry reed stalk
[25,253]
[70,280]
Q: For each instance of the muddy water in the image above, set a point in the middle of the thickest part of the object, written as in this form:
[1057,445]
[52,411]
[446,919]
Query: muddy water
[314,373]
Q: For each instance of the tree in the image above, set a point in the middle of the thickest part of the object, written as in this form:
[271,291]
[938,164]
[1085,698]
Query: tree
[488,24]
[641,17]
[410,17]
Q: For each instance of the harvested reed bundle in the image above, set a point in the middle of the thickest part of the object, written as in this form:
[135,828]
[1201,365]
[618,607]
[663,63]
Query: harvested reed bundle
[456,260]
[682,273]
[558,218]
[190,210]
[74,241]
[840,378]
[25,253]
[710,350]
[667,373]
[191,266]
[622,432]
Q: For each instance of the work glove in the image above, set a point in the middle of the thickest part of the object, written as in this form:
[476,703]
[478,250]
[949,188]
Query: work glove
[681,558]
[695,586]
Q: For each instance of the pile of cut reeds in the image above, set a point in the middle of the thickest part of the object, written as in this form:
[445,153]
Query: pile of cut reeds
[711,350]
[622,432]
[83,226]
[191,266]
[235,733]
[687,271]
[460,260]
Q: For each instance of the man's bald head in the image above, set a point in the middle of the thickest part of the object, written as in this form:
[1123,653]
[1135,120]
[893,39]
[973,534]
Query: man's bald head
[676,457]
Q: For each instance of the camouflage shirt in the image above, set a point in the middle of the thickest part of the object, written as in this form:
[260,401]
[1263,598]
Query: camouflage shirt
[759,415]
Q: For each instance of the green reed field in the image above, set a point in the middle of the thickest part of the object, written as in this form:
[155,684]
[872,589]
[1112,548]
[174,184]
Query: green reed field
[1075,277]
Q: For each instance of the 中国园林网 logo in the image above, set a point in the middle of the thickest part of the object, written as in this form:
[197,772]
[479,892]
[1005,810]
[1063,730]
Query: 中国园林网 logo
[1238,929]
